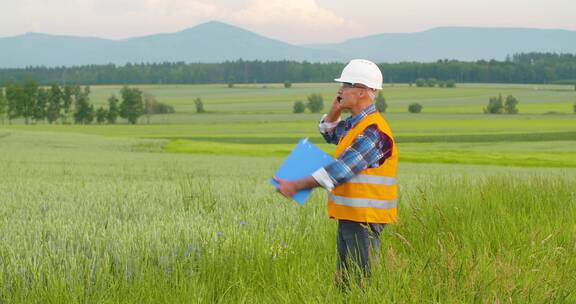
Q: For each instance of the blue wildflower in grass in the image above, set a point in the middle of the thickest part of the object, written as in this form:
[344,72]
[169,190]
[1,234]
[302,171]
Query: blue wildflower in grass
[218,234]
[242,223]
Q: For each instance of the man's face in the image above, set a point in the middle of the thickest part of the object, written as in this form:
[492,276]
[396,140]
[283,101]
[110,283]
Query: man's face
[350,94]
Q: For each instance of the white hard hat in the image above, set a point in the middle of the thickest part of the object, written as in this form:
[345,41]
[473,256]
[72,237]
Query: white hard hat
[362,71]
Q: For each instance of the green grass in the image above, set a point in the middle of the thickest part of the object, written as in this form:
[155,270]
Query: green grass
[92,219]
[293,124]
[560,154]
[180,210]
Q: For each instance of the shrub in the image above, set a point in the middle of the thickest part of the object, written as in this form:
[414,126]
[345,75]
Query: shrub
[150,103]
[450,84]
[420,82]
[495,105]
[510,105]
[299,107]
[199,105]
[315,103]
[415,108]
[287,84]
[162,108]
[431,82]
[380,102]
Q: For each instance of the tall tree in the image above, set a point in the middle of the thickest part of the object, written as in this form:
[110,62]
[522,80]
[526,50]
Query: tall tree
[29,99]
[54,104]
[83,110]
[132,106]
[101,114]
[3,105]
[67,101]
[113,110]
[39,107]
[14,99]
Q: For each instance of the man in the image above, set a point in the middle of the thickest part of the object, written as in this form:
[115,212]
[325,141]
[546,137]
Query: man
[362,179]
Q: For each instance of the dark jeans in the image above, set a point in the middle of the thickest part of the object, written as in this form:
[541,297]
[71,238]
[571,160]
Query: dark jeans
[357,245]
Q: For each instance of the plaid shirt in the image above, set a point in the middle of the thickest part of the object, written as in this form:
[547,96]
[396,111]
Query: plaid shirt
[368,150]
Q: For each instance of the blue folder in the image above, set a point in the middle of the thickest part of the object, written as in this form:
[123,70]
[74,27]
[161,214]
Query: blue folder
[304,159]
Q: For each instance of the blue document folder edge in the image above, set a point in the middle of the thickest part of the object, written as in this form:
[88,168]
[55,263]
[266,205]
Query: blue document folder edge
[304,159]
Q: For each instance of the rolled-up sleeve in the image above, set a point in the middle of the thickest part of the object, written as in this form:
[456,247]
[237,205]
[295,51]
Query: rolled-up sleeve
[331,131]
[323,179]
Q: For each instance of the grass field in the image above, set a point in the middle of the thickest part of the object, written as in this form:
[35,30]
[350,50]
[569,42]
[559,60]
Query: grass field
[92,219]
[274,98]
[180,210]
[257,120]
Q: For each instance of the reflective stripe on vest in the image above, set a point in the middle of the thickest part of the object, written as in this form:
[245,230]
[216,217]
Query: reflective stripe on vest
[363,202]
[373,180]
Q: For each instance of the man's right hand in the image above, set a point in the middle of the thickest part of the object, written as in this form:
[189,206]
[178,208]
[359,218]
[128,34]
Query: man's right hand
[335,110]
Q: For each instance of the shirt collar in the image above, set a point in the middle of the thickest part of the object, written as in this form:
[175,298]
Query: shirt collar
[355,119]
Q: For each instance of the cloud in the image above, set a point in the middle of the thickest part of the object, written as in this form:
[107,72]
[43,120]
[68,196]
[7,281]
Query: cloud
[295,18]
[176,9]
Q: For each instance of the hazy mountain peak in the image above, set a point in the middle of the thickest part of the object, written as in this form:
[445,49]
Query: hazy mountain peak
[216,41]
[223,30]
[216,24]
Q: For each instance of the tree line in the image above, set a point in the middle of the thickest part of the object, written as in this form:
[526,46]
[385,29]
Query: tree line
[71,103]
[518,68]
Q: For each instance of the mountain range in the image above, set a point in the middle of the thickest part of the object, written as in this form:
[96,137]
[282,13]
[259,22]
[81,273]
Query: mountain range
[217,41]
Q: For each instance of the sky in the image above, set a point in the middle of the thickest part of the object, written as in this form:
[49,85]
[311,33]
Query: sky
[295,21]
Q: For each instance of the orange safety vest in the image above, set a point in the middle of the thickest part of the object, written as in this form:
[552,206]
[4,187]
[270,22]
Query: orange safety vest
[370,196]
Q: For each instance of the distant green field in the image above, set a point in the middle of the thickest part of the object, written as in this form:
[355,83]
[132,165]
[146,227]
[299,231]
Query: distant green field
[274,98]
[260,114]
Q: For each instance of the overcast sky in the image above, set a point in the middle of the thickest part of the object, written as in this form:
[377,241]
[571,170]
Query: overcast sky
[295,21]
